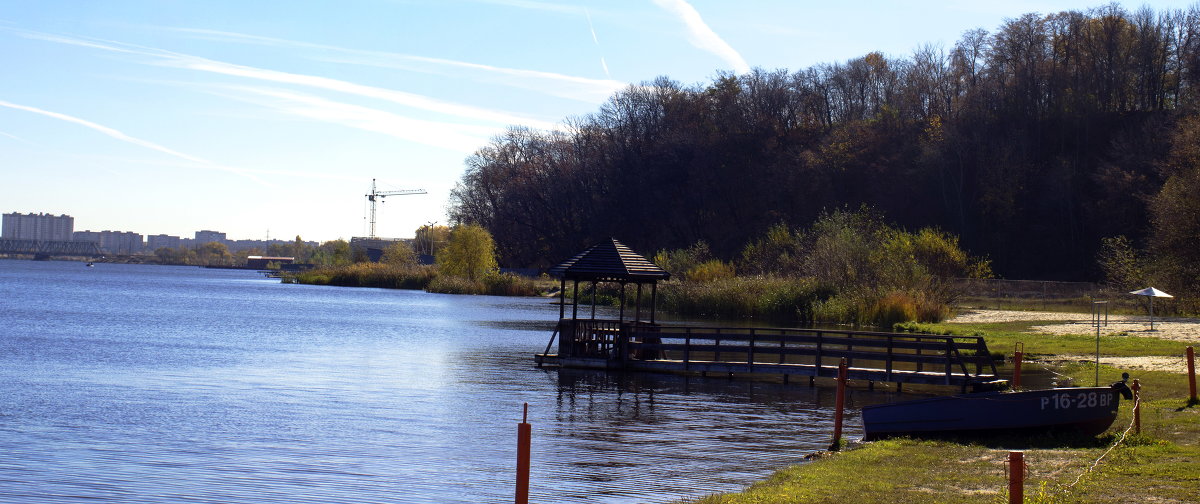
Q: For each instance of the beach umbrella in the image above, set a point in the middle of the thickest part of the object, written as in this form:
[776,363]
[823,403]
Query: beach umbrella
[1151,293]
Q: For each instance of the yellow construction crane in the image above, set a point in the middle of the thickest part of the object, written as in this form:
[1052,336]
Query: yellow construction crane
[379,195]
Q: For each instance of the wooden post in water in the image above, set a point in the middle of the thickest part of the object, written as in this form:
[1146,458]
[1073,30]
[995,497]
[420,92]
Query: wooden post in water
[1191,358]
[1016,477]
[1017,354]
[1137,407]
[839,405]
[523,439]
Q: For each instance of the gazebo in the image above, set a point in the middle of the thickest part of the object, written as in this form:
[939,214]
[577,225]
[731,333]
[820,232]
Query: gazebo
[585,337]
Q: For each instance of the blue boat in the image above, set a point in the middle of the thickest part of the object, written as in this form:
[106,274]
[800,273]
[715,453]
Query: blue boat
[1090,410]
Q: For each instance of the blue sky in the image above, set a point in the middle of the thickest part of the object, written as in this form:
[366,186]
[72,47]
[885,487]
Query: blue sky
[257,117]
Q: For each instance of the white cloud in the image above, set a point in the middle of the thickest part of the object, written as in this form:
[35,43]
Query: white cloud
[461,138]
[555,84]
[703,37]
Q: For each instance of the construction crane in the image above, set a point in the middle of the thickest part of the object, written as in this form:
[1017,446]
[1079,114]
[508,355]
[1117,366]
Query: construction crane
[379,195]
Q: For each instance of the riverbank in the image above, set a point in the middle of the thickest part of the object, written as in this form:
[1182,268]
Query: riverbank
[1155,466]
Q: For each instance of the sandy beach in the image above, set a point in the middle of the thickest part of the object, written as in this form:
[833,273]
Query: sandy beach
[1184,330]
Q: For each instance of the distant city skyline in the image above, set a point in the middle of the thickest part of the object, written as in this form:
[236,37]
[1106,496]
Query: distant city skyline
[42,226]
[274,117]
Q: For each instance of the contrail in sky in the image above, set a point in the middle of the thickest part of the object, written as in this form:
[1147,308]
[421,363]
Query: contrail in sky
[703,37]
[597,41]
[126,138]
[196,63]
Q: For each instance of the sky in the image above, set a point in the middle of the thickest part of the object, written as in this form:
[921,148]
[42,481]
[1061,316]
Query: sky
[271,118]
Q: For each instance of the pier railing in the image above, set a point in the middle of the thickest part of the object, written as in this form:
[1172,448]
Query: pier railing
[874,356]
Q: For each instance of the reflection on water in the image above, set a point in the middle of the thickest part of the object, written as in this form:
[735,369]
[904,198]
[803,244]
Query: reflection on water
[146,384]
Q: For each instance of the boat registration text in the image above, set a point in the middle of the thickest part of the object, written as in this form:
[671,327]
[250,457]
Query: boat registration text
[1068,400]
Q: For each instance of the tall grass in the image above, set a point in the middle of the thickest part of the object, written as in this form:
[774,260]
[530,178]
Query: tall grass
[427,278]
[366,274]
[775,298]
[782,299]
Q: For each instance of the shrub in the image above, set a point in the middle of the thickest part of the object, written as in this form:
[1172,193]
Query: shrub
[891,309]
[709,271]
[679,262]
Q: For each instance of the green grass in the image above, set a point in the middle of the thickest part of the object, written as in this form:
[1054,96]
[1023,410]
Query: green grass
[1158,465]
[1003,337]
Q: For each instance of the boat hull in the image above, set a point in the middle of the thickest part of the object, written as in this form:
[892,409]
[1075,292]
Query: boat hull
[1090,410]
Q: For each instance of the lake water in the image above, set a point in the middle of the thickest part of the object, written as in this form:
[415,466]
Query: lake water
[156,384]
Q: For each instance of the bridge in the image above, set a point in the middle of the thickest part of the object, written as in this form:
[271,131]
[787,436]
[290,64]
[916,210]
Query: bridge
[43,249]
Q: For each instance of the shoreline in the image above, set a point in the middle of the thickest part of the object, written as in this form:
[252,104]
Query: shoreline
[1161,457]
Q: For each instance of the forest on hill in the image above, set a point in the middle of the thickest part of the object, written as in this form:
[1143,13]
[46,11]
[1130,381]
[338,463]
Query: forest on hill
[1037,145]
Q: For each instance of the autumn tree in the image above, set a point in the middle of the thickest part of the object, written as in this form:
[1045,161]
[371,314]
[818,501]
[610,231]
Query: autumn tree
[399,253]
[470,253]
[214,254]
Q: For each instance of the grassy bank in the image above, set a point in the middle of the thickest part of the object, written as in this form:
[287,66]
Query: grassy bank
[1156,466]
[426,278]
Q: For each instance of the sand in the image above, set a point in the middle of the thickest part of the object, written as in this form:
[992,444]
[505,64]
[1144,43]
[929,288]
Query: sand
[1184,330]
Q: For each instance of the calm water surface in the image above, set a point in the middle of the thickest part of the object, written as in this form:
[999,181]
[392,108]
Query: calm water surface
[155,384]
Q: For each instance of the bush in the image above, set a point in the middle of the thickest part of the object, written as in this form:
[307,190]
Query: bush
[709,271]
[891,309]
[679,262]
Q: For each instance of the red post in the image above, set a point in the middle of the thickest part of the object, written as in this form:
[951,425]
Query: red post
[523,437]
[1017,354]
[1137,407]
[1016,477]
[840,405]
[1191,356]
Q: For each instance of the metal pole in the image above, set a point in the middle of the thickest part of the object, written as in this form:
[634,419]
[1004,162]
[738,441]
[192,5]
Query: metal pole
[1097,355]
[1017,354]
[523,439]
[1137,407]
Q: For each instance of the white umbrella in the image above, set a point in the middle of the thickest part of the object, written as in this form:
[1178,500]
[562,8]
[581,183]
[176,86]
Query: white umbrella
[1151,293]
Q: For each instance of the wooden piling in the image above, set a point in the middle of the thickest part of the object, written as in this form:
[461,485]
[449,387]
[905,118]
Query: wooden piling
[1016,477]
[523,440]
[839,405]
[1191,359]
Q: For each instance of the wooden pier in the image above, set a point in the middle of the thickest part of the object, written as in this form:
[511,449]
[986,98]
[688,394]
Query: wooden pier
[639,345]
[958,361]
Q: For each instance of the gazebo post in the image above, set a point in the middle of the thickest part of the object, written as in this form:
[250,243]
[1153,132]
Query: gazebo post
[562,298]
[653,300]
[621,316]
[637,313]
[575,303]
[594,299]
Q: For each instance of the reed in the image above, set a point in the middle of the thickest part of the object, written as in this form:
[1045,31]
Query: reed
[775,298]
[389,276]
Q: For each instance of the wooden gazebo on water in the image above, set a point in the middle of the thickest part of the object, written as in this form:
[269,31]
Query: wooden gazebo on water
[639,343]
[589,342]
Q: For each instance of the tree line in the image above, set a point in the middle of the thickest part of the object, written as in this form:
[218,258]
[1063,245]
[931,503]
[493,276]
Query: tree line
[1033,143]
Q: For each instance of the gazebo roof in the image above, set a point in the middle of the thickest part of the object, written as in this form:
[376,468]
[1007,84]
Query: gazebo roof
[609,261]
